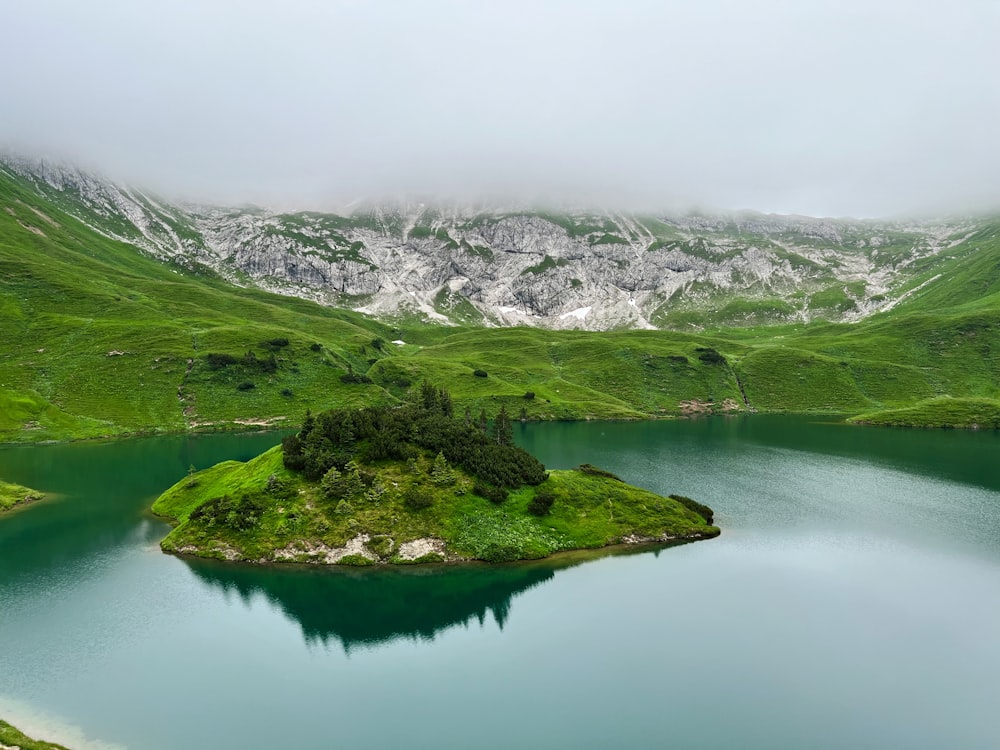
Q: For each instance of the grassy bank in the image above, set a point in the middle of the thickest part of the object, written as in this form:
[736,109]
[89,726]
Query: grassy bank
[973,413]
[12,495]
[11,737]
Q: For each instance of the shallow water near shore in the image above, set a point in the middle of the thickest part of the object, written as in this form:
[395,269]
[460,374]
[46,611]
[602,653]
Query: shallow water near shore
[853,600]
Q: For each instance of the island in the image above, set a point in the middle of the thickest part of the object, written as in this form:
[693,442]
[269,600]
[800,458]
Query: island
[412,484]
[13,495]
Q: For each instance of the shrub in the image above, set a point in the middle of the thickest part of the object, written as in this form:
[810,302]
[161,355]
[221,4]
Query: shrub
[430,557]
[480,373]
[358,561]
[529,395]
[287,392]
[380,545]
[246,385]
[241,514]
[315,347]
[496,495]
[416,498]
[279,488]
[541,503]
[218,361]
[709,356]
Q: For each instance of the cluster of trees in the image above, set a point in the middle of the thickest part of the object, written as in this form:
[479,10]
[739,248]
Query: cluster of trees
[336,437]
[243,512]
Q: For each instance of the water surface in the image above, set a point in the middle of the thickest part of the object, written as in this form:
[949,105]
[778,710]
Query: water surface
[853,600]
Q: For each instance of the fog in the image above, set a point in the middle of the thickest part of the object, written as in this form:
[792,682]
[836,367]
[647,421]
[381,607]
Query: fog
[820,108]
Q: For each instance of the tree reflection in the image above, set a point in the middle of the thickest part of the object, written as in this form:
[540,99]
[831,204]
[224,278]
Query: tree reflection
[371,607]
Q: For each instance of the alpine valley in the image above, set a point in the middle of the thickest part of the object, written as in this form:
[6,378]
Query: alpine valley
[126,313]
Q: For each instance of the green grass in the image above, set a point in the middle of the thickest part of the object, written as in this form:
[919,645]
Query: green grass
[101,340]
[547,263]
[11,737]
[12,495]
[938,412]
[589,511]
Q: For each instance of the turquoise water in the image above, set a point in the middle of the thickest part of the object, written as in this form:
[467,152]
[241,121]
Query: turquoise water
[853,600]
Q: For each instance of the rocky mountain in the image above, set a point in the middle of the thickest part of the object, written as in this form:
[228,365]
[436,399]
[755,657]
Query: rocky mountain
[581,269]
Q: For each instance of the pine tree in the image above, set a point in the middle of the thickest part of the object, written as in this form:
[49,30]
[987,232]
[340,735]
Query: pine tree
[503,430]
[330,484]
[351,485]
[441,473]
[429,395]
[444,398]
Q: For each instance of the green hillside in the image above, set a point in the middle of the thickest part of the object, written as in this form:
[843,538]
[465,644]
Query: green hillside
[99,339]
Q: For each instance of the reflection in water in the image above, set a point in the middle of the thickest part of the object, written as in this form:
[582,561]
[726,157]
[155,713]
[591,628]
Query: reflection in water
[371,607]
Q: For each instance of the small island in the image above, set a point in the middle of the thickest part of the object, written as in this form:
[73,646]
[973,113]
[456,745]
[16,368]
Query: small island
[412,484]
[13,495]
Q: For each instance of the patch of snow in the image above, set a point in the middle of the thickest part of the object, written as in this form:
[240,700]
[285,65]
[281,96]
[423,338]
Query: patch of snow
[580,313]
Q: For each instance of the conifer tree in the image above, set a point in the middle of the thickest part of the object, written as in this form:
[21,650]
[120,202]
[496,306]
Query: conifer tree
[503,430]
[441,473]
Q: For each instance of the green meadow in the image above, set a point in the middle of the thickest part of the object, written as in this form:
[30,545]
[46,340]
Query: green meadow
[100,340]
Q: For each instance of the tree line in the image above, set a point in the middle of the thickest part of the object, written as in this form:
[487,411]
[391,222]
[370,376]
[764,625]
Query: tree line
[336,437]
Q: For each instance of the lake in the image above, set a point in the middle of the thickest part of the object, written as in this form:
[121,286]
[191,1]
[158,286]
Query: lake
[853,600]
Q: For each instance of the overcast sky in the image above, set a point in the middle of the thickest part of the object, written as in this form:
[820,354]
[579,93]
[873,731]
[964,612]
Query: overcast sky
[801,106]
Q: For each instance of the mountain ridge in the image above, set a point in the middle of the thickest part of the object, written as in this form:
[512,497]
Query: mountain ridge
[595,270]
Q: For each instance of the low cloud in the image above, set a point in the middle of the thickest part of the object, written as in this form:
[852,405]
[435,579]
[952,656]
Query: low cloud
[820,108]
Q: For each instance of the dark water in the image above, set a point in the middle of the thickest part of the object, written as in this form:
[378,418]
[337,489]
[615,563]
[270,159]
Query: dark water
[853,600]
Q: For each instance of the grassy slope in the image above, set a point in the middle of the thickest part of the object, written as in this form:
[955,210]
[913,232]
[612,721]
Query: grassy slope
[13,738]
[70,299]
[589,511]
[14,494]
[938,412]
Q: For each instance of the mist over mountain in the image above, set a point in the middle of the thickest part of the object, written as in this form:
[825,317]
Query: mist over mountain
[821,108]
[516,265]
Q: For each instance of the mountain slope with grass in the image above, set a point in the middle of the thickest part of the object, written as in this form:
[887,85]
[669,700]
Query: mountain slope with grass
[593,270]
[101,338]
[408,485]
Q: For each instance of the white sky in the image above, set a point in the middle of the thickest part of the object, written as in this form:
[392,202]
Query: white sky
[799,106]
